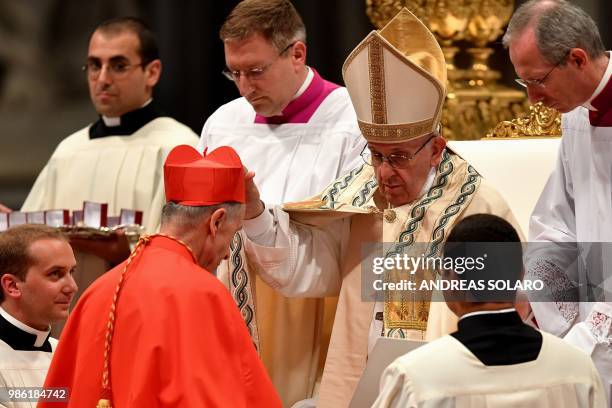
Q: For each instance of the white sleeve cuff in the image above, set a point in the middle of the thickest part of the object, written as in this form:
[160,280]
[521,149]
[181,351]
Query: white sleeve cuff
[259,225]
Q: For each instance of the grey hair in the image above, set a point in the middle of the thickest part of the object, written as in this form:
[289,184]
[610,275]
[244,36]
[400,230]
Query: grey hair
[185,216]
[559,27]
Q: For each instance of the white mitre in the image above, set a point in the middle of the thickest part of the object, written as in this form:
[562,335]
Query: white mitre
[396,78]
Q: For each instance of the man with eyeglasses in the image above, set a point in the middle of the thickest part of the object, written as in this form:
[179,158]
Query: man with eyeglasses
[296,132]
[117,159]
[558,54]
[410,190]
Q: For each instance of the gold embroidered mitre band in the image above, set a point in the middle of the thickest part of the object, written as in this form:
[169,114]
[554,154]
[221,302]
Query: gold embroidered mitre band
[396,78]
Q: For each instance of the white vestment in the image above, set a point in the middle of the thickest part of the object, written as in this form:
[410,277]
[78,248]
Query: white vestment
[23,369]
[291,161]
[576,207]
[444,373]
[123,171]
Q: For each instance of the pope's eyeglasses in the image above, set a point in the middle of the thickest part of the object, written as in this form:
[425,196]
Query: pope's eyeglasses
[395,160]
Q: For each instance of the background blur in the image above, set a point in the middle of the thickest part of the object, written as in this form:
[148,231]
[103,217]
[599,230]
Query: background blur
[43,43]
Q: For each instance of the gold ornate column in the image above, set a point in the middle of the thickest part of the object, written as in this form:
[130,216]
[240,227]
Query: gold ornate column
[476,102]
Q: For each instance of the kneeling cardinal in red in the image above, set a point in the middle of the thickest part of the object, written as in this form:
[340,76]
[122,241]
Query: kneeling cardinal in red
[160,330]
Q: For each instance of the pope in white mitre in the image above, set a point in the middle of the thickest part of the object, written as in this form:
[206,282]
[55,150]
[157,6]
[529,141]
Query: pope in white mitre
[410,189]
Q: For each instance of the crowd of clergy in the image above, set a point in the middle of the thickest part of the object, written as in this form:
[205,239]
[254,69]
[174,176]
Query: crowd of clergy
[246,286]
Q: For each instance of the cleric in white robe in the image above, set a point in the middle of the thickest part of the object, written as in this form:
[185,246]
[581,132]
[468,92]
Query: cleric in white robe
[294,156]
[575,208]
[297,131]
[36,288]
[119,158]
[493,359]
[25,355]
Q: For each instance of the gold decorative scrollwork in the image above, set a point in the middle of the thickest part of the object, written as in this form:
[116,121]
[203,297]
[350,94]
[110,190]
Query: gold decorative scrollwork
[540,122]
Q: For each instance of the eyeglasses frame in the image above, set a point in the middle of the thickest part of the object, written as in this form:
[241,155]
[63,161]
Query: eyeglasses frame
[389,159]
[540,82]
[254,73]
[111,71]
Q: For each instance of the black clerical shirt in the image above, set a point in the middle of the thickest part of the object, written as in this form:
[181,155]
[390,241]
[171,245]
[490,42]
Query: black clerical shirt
[129,123]
[20,340]
[499,338]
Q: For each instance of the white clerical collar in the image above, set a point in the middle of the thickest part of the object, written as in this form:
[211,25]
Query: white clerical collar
[41,336]
[305,84]
[602,84]
[116,121]
[485,312]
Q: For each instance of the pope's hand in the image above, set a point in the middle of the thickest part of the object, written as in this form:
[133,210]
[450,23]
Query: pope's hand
[254,205]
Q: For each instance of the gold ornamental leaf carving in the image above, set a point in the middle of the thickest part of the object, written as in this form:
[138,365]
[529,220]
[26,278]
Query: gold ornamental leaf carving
[447,19]
[540,122]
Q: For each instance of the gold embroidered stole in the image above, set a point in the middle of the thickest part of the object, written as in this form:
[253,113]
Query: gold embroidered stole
[425,221]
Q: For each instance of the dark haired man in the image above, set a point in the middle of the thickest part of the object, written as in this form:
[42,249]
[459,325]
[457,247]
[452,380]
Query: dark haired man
[36,288]
[117,159]
[493,359]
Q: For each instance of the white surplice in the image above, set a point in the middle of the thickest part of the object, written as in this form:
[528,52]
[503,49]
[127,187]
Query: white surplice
[123,171]
[291,161]
[444,373]
[23,368]
[576,207]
